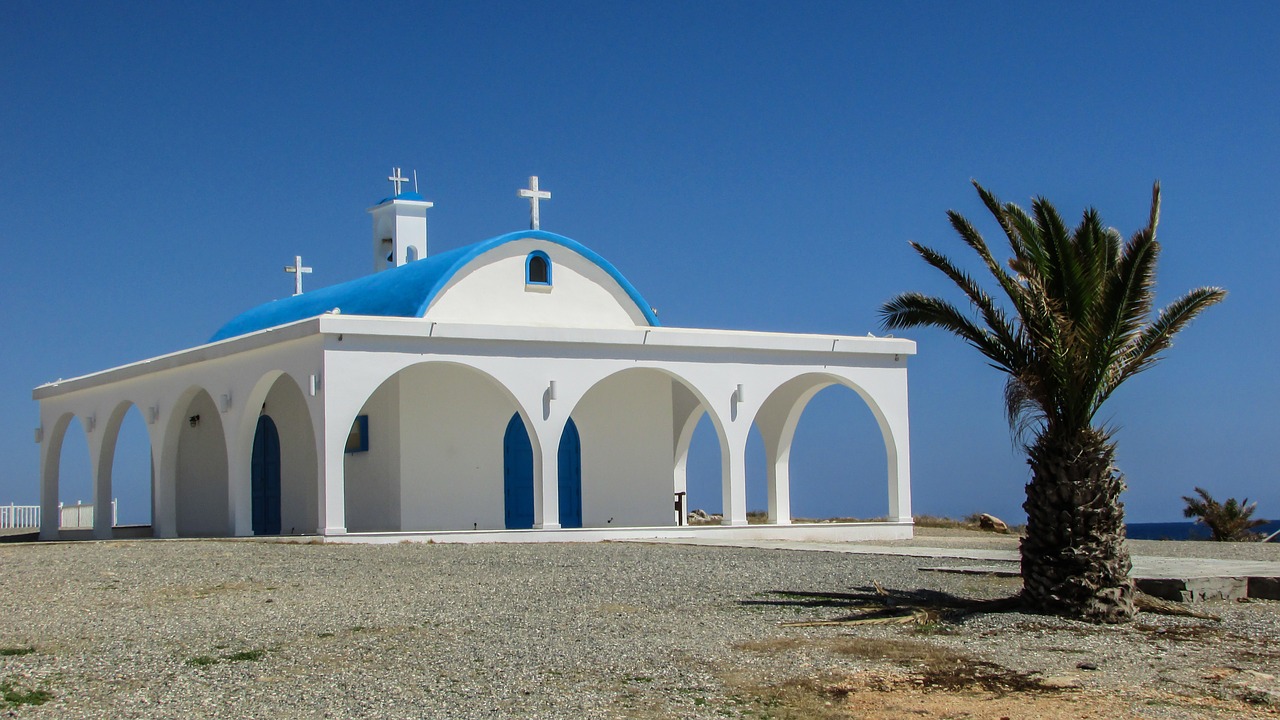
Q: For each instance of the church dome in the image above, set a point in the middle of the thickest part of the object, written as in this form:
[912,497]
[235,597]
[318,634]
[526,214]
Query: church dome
[561,282]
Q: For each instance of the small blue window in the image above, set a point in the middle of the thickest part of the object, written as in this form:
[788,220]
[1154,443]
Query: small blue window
[358,439]
[537,269]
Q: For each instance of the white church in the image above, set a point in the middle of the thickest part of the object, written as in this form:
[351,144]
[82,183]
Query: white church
[517,389]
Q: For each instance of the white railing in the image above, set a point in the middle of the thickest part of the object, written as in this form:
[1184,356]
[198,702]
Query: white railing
[14,517]
[70,517]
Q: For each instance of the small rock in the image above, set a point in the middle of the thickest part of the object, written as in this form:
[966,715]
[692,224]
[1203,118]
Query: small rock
[1087,666]
[1060,682]
[992,523]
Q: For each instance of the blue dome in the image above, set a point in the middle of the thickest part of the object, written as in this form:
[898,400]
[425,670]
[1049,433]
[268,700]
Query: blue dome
[407,195]
[404,291]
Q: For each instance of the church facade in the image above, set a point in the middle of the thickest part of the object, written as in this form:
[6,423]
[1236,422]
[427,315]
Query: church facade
[516,389]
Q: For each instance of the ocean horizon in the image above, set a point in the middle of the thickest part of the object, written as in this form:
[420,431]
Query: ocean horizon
[1186,530]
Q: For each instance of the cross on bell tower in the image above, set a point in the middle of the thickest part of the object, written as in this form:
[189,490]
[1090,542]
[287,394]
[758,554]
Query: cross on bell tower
[399,225]
[534,196]
[397,180]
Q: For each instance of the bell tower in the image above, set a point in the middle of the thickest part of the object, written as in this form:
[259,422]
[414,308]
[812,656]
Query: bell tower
[399,226]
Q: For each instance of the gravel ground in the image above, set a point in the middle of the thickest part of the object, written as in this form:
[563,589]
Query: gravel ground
[241,629]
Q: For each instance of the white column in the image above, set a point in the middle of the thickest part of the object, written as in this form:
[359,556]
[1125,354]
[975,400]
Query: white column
[733,486]
[546,481]
[331,495]
[50,457]
[102,457]
[239,482]
[164,490]
[778,466]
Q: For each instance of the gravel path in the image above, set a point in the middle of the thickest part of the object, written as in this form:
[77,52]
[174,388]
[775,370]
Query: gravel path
[238,629]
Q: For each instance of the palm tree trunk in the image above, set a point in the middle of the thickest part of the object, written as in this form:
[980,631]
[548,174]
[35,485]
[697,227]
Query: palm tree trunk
[1073,557]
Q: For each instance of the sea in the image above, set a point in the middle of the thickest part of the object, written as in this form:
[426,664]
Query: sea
[1183,531]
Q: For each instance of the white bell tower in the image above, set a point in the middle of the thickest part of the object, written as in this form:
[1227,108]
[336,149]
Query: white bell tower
[399,226]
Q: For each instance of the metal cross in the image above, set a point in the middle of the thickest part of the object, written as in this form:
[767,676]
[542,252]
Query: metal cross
[298,271]
[397,180]
[534,196]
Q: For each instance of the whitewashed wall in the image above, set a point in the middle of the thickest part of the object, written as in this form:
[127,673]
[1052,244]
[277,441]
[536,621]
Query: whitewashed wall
[373,477]
[202,471]
[453,420]
[491,290]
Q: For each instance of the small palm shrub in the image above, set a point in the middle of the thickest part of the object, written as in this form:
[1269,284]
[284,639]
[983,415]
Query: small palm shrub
[1231,521]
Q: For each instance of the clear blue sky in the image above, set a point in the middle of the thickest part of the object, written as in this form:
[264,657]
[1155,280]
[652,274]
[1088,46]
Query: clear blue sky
[752,165]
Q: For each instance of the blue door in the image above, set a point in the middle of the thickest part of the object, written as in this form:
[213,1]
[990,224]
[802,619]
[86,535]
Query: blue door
[266,478]
[570,477]
[517,475]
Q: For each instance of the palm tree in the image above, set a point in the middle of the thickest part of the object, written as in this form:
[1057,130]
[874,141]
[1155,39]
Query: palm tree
[1230,521]
[1080,324]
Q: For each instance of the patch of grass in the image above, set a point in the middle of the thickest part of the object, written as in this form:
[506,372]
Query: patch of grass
[16,651]
[14,696]
[245,655]
[241,656]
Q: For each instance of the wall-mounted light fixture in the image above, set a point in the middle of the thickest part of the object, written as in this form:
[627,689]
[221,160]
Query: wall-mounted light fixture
[315,384]
[193,421]
[738,394]
[551,390]
[224,402]
[39,434]
[90,422]
[153,414]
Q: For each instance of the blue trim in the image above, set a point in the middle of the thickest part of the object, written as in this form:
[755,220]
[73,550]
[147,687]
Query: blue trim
[528,265]
[408,290]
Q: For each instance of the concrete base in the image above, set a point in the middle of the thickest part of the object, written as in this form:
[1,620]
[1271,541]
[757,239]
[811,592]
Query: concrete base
[811,532]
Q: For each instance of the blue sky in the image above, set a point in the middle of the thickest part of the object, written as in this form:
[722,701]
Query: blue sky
[749,165]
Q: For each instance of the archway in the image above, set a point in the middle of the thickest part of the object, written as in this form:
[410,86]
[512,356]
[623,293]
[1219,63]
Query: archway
[201,470]
[433,457]
[283,465]
[75,479]
[132,468]
[635,428]
[805,477]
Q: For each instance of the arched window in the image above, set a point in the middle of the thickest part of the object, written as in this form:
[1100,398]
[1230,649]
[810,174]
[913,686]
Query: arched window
[537,269]
[410,254]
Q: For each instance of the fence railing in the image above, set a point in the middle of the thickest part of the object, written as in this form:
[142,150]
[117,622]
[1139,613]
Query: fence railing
[13,517]
[70,517]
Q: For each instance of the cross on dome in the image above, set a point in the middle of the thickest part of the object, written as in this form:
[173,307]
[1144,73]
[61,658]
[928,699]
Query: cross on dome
[534,196]
[299,270]
[397,180]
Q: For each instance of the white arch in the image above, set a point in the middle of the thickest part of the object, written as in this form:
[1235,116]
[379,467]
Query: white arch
[778,417]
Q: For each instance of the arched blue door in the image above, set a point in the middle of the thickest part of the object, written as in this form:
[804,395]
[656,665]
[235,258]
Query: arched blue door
[266,478]
[517,475]
[570,477]
[517,471]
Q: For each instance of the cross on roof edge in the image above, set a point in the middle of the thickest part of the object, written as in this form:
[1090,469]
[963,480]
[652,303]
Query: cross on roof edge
[534,195]
[298,270]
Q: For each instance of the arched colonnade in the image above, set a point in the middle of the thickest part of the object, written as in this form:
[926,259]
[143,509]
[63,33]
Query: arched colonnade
[378,432]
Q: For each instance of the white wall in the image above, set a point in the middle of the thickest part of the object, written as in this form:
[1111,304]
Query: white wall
[491,290]
[287,408]
[202,471]
[626,427]
[373,477]
[453,423]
